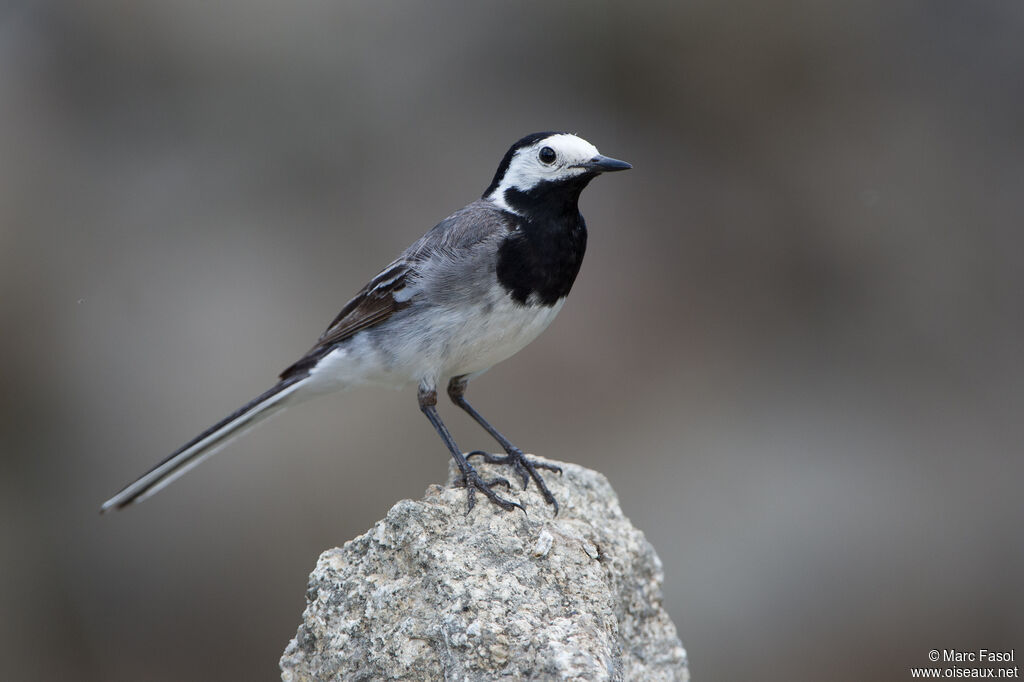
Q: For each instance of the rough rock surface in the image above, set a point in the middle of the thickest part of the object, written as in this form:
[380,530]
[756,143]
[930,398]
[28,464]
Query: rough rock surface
[434,593]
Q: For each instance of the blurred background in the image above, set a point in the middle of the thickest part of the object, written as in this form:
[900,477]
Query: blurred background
[795,346]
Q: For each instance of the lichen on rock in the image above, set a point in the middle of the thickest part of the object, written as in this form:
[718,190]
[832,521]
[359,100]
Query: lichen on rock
[433,593]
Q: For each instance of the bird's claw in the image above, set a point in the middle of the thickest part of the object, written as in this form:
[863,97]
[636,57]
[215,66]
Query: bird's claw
[525,467]
[472,482]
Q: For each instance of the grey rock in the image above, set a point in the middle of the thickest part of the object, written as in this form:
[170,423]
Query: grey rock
[434,593]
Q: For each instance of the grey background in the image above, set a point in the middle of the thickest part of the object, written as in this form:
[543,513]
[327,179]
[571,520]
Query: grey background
[794,347]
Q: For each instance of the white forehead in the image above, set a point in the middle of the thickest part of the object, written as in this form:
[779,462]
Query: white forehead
[576,149]
[526,169]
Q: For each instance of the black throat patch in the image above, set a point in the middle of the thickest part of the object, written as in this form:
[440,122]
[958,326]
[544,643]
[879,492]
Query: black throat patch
[542,256]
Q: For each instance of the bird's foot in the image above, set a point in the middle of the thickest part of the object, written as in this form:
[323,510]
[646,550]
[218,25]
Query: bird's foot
[472,482]
[525,467]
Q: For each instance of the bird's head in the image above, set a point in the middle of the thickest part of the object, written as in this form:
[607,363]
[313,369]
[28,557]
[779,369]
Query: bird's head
[547,167]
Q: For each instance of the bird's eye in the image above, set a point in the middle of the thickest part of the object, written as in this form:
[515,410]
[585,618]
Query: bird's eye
[547,155]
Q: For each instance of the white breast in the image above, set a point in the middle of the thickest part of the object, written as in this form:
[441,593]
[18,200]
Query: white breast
[490,336]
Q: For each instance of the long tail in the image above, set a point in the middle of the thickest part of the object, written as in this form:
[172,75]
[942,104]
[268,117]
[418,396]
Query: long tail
[205,444]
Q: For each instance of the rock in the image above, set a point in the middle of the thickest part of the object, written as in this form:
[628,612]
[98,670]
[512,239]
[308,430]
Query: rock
[434,593]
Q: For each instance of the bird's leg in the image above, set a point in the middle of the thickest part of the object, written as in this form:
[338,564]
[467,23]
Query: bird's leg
[525,467]
[470,478]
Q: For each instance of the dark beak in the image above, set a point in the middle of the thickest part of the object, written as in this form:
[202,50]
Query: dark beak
[604,164]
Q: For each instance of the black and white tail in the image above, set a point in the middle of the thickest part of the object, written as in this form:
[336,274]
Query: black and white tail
[205,444]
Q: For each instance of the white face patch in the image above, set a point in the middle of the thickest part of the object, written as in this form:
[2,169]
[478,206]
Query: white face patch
[527,169]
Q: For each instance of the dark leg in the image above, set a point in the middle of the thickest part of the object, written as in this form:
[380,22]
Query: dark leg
[471,479]
[525,467]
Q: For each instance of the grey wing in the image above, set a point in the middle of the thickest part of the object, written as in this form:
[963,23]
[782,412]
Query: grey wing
[459,256]
[448,262]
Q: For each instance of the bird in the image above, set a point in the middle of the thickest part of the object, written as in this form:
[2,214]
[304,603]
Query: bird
[471,292]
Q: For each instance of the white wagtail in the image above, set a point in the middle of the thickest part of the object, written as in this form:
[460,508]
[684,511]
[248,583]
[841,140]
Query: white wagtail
[474,290]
